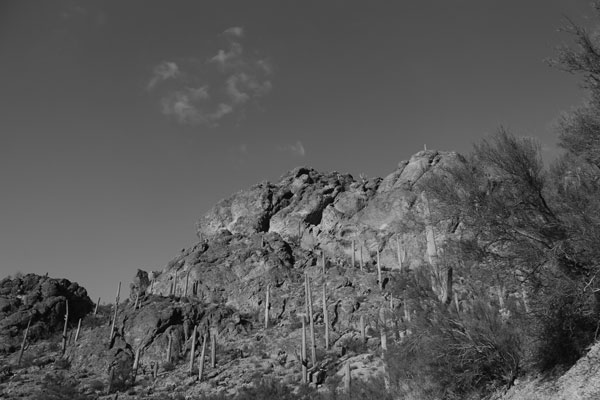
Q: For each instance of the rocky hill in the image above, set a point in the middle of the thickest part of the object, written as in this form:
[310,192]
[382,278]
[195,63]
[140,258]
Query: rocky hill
[353,241]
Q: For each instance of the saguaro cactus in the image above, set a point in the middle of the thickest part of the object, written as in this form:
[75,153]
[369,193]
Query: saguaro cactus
[213,348]
[348,380]
[379,279]
[363,336]
[78,329]
[448,294]
[325,314]
[313,350]
[175,284]
[304,360]
[193,351]
[353,254]
[456,303]
[114,320]
[64,346]
[399,254]
[267,305]
[136,364]
[406,309]
[187,278]
[96,308]
[361,258]
[201,361]
[169,348]
[23,343]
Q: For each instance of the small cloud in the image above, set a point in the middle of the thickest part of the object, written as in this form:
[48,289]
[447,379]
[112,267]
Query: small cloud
[228,58]
[185,104]
[266,66]
[296,149]
[222,110]
[241,87]
[236,31]
[237,81]
[163,71]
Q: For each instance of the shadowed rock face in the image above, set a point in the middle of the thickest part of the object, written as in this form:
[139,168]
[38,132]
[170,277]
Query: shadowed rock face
[272,233]
[269,236]
[43,300]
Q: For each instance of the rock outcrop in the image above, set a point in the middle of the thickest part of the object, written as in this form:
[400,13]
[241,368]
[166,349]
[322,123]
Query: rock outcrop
[269,238]
[41,299]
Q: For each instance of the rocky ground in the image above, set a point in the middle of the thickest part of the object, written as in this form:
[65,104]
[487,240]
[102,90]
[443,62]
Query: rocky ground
[269,239]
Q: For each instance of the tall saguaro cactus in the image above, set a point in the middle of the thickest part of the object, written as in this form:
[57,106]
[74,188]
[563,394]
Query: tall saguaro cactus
[399,254]
[313,351]
[448,294]
[379,270]
[213,347]
[169,348]
[78,329]
[267,305]
[201,361]
[64,336]
[136,364]
[114,320]
[187,278]
[193,351]
[23,343]
[361,258]
[363,336]
[175,284]
[304,360]
[325,314]
[97,305]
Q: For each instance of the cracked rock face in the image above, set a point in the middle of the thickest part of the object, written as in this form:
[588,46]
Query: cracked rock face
[264,239]
[329,210]
[270,233]
[43,300]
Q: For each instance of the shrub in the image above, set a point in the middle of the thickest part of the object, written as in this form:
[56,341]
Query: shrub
[58,387]
[354,345]
[565,324]
[62,363]
[168,366]
[451,356]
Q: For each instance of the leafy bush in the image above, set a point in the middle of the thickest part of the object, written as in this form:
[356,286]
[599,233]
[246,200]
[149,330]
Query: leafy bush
[454,355]
[168,366]
[354,345]
[566,322]
[62,363]
[275,390]
[59,387]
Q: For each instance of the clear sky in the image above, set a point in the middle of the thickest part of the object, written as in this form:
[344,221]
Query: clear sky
[121,122]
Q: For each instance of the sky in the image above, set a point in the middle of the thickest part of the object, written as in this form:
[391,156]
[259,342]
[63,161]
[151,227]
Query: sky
[122,122]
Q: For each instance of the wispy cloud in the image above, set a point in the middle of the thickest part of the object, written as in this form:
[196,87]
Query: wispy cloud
[230,58]
[297,149]
[185,104]
[236,31]
[224,84]
[163,71]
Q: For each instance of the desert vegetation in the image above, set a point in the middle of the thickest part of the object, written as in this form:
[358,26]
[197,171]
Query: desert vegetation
[522,238]
[509,287]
